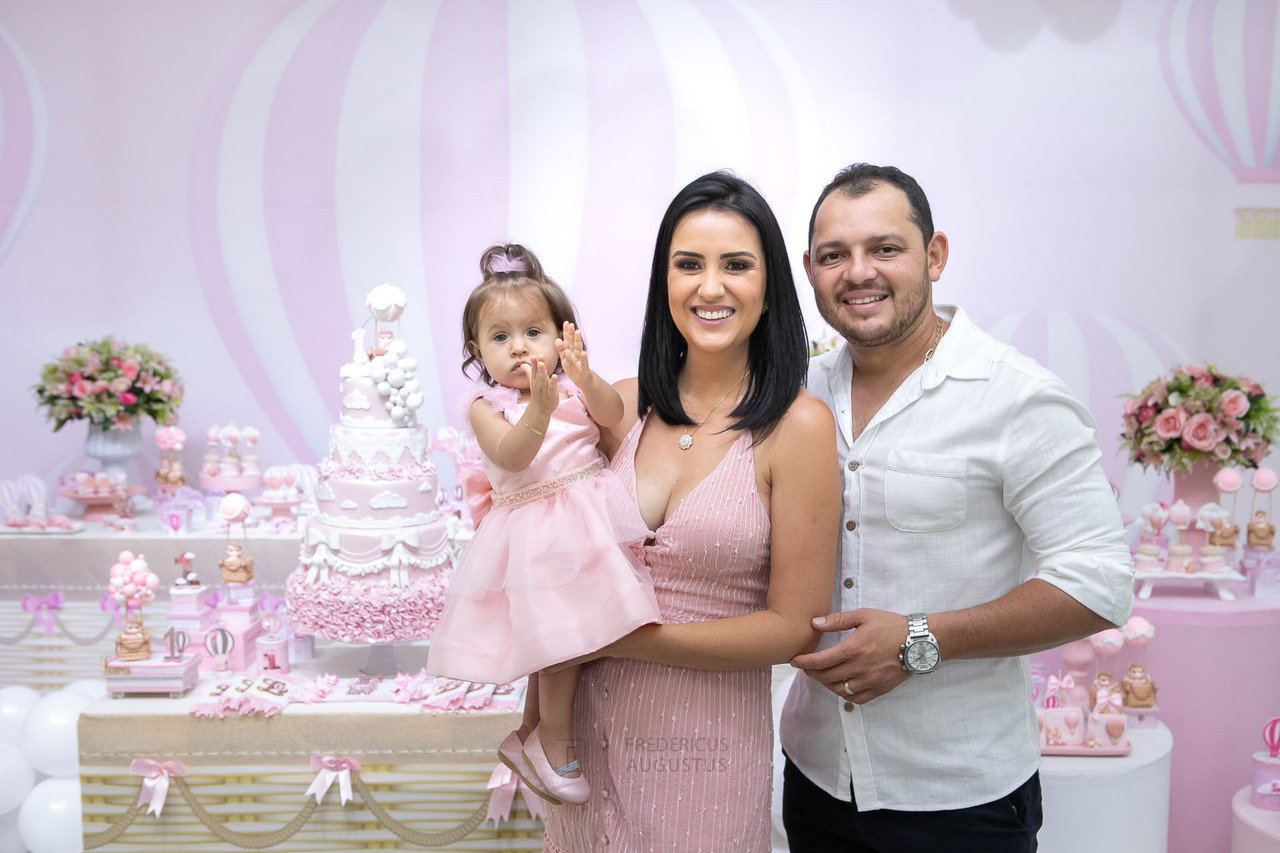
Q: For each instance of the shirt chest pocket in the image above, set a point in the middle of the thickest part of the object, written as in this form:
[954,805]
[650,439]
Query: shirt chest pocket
[924,492]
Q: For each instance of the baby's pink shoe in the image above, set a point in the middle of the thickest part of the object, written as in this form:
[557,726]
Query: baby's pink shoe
[511,753]
[573,791]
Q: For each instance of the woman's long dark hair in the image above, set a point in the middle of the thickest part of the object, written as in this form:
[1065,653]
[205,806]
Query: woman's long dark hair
[777,352]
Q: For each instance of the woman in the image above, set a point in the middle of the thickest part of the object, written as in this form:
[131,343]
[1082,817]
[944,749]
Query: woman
[732,464]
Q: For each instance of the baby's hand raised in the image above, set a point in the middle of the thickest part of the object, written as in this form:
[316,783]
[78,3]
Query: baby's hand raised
[544,392]
[573,356]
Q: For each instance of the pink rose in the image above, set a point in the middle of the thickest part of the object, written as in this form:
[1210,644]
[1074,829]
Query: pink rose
[120,384]
[1146,413]
[130,369]
[127,399]
[63,390]
[1170,423]
[1132,405]
[167,386]
[100,386]
[80,388]
[1234,403]
[69,352]
[114,361]
[1205,381]
[1194,370]
[74,378]
[1200,432]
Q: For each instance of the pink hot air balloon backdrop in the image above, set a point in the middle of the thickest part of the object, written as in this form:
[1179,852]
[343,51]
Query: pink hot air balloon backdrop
[374,161]
[1220,61]
[23,139]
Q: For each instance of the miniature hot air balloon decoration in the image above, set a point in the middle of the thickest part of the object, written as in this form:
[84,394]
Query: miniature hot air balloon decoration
[219,644]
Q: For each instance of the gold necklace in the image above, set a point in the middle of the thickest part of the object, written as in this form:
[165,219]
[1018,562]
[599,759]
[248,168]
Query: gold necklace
[686,440]
[936,337]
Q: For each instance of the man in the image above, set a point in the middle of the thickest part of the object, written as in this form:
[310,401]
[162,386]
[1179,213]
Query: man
[967,468]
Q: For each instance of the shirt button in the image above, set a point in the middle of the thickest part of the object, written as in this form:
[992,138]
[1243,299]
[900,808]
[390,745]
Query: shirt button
[853,466]
[850,525]
[848,706]
[848,583]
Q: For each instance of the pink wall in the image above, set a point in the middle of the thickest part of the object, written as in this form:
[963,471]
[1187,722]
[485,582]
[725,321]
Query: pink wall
[225,181]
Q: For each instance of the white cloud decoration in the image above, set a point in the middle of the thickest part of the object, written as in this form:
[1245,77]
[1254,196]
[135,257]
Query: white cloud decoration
[387,500]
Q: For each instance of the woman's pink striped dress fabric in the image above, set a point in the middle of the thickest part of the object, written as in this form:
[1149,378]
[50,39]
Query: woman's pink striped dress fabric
[680,760]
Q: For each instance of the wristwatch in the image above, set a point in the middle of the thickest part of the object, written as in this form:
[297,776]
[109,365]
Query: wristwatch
[919,654]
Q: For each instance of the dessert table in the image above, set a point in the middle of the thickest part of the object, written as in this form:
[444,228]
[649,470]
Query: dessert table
[247,777]
[1122,799]
[1216,664]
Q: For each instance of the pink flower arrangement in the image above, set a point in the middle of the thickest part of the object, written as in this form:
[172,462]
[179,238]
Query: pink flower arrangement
[111,384]
[1197,413]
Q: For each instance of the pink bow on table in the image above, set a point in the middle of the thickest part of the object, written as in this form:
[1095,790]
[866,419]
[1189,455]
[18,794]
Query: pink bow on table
[109,605]
[270,604]
[1067,683]
[331,768]
[1109,702]
[155,781]
[504,785]
[43,608]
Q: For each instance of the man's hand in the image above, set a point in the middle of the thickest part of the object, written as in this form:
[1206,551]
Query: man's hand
[864,664]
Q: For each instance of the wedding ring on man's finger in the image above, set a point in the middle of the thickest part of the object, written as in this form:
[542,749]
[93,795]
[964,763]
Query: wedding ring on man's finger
[847,691]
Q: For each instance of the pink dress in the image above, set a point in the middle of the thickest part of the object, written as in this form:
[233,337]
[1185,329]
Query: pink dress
[548,575]
[681,759]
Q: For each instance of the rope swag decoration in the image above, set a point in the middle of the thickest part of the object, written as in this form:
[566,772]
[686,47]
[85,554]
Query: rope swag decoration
[345,771]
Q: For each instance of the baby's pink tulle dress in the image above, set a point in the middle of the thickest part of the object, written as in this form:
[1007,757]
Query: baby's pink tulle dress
[549,574]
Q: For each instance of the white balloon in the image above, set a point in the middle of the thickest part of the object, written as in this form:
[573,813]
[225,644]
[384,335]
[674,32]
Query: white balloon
[378,371]
[49,737]
[15,703]
[408,365]
[397,413]
[16,777]
[384,387]
[94,688]
[395,378]
[414,401]
[50,820]
[411,385]
[397,348]
[10,840]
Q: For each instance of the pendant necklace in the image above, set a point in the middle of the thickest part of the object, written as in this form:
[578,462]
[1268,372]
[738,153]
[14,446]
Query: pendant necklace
[686,440]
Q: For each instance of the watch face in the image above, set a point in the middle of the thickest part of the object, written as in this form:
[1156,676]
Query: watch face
[922,656]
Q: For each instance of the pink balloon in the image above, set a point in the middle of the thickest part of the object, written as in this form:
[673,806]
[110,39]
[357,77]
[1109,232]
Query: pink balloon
[234,507]
[1264,480]
[1227,480]
[1107,642]
[1138,631]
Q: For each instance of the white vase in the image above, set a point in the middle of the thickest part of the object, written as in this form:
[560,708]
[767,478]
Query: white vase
[114,448]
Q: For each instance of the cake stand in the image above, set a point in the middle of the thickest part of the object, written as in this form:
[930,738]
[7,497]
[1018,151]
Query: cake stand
[239,483]
[280,510]
[97,505]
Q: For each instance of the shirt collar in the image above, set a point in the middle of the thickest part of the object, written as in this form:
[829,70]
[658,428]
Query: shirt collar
[963,353]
